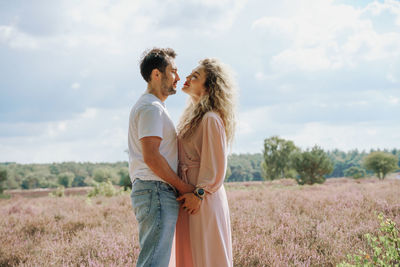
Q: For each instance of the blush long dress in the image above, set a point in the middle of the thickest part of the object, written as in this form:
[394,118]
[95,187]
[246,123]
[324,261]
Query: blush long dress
[204,239]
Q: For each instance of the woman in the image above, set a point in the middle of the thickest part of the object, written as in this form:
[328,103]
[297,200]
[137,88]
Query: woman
[206,129]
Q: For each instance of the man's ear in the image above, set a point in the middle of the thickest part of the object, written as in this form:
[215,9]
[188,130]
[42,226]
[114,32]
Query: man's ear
[155,75]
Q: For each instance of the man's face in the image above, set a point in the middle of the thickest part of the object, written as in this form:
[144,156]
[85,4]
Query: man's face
[169,79]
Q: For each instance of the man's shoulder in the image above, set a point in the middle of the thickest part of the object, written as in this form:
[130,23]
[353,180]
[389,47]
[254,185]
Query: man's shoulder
[147,105]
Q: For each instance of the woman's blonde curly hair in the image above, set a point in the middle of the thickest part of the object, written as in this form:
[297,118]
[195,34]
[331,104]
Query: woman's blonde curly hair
[221,98]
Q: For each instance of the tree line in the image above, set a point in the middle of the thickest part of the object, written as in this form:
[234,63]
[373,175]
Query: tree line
[67,174]
[280,159]
[283,159]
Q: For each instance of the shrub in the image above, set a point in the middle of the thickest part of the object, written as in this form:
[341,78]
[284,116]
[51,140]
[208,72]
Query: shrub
[311,165]
[355,172]
[78,181]
[125,179]
[103,175]
[381,163]
[30,182]
[3,178]
[104,189]
[59,192]
[385,247]
[65,179]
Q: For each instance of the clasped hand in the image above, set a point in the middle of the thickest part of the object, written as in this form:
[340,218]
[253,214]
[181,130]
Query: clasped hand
[190,203]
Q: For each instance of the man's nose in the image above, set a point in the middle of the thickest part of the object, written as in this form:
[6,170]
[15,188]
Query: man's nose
[177,77]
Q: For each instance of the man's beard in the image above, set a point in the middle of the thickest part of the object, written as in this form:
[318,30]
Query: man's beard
[167,89]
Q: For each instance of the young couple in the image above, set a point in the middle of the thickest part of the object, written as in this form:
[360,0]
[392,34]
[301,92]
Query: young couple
[177,194]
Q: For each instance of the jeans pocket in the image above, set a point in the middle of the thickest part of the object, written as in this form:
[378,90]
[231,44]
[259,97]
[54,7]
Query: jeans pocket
[168,189]
[141,202]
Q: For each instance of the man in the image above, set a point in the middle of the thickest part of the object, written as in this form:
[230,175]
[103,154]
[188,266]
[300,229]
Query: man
[153,160]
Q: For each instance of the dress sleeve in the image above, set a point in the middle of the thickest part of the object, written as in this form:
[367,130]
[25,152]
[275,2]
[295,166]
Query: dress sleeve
[213,158]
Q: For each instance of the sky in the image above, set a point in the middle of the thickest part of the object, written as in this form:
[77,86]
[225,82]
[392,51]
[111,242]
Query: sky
[317,72]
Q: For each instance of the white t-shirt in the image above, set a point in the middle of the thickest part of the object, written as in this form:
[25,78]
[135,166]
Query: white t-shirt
[149,117]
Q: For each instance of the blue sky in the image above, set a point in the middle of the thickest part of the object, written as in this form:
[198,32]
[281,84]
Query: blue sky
[315,71]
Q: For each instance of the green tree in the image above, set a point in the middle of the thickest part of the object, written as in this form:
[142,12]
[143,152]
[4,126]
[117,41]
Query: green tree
[103,175]
[30,182]
[3,178]
[277,155]
[125,179]
[381,163]
[65,179]
[355,172]
[228,173]
[311,165]
[78,181]
[54,169]
[241,167]
[344,160]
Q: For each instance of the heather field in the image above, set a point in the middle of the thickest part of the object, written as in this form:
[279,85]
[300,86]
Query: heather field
[274,224]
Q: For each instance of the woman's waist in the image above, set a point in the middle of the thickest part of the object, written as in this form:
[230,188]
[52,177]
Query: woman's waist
[187,171]
[188,164]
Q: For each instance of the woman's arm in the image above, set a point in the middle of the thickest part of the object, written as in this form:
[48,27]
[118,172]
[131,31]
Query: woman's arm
[213,157]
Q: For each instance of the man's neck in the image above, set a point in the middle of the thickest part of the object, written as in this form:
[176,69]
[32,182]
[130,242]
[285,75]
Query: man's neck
[156,93]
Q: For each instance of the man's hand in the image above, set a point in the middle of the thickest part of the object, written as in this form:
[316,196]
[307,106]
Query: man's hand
[191,203]
[185,188]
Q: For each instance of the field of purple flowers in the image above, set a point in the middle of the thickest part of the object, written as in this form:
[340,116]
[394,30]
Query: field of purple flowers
[273,224]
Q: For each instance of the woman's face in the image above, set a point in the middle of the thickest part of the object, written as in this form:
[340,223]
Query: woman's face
[194,85]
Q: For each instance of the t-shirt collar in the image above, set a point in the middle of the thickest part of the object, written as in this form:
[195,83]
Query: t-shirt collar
[155,98]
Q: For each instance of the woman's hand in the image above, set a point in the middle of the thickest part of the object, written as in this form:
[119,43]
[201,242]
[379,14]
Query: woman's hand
[190,203]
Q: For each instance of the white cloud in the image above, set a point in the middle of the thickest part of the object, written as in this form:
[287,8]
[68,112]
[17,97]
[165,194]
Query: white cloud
[331,36]
[118,27]
[308,59]
[94,135]
[90,113]
[377,8]
[311,70]
[75,86]
[391,78]
[394,100]
[260,76]
[345,136]
[275,25]
[16,39]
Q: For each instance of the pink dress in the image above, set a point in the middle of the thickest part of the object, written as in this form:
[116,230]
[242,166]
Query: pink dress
[204,239]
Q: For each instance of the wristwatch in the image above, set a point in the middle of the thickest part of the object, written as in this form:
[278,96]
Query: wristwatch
[199,192]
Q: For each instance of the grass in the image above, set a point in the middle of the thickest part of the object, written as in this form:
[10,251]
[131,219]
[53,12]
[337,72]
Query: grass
[273,224]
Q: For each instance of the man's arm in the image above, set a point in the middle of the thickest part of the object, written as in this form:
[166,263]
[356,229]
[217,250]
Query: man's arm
[159,165]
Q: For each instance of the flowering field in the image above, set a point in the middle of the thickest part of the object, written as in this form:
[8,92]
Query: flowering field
[273,223]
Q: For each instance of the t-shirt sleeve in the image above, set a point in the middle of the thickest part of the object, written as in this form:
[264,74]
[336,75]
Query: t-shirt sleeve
[150,122]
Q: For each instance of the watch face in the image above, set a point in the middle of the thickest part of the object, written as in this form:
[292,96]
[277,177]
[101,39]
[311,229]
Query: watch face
[200,191]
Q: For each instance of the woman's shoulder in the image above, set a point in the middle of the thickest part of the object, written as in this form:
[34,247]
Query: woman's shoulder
[213,117]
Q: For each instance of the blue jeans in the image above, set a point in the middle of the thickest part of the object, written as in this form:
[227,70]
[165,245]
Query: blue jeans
[156,210]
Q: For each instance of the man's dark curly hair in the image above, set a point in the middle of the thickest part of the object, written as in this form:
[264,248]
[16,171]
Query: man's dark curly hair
[156,58]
